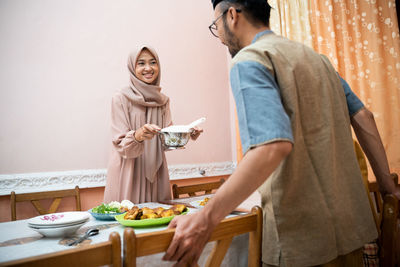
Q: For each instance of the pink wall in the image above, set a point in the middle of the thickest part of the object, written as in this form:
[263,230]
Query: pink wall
[61,61]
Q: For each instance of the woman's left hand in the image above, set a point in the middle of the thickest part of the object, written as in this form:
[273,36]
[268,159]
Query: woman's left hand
[195,133]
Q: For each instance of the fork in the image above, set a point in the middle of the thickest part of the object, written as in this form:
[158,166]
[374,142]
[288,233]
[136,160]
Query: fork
[90,232]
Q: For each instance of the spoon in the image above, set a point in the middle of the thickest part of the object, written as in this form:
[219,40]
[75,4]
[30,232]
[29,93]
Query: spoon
[90,232]
[195,123]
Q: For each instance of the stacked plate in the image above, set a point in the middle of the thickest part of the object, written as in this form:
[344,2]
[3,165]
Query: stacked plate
[59,224]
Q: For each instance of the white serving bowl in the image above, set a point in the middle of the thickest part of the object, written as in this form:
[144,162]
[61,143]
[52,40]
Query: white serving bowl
[58,231]
[174,139]
[177,136]
[59,219]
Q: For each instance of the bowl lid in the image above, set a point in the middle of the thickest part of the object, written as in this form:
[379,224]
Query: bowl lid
[177,129]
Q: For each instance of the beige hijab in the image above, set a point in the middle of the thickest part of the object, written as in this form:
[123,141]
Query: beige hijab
[149,96]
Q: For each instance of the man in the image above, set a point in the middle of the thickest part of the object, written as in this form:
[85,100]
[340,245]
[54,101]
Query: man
[294,116]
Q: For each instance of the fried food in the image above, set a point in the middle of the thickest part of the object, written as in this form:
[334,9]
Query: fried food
[150,216]
[123,209]
[167,213]
[178,207]
[147,213]
[158,210]
[146,210]
[204,202]
[132,213]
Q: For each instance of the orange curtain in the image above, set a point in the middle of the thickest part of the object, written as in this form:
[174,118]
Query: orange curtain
[361,38]
[239,150]
[291,18]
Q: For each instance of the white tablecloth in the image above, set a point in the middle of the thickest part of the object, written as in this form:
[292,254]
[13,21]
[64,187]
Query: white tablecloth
[33,244]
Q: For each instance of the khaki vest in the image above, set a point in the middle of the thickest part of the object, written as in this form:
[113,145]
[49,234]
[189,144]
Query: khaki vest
[315,204]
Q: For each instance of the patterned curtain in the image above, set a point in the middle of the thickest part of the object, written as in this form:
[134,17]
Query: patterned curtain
[292,20]
[361,38]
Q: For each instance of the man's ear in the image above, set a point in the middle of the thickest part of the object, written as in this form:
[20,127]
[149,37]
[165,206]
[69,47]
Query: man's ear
[232,16]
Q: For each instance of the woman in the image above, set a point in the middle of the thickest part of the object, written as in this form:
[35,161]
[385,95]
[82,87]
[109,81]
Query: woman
[138,169]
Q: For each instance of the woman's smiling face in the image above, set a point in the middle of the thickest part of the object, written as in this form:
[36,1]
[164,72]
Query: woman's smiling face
[147,68]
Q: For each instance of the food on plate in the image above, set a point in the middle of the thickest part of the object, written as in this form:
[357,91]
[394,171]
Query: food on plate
[150,216]
[158,210]
[113,207]
[136,213]
[105,209]
[204,202]
[132,213]
[146,210]
[168,212]
[178,207]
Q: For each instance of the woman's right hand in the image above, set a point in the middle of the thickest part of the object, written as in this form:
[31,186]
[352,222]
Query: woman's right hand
[146,132]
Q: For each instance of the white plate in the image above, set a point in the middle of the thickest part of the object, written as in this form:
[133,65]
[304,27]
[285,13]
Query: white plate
[37,226]
[59,219]
[59,231]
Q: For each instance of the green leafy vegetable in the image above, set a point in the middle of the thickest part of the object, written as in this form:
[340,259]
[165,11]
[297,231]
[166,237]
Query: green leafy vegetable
[105,208]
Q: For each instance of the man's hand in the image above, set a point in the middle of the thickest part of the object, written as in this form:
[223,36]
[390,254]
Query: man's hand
[397,193]
[193,231]
[191,235]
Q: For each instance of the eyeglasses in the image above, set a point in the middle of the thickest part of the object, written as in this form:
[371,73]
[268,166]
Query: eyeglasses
[213,27]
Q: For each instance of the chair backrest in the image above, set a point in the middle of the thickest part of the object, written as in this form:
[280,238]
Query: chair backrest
[373,188]
[34,198]
[386,214]
[387,209]
[191,190]
[156,242]
[105,253]
[389,238]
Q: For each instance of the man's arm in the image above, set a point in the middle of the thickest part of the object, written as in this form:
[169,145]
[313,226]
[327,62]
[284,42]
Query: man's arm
[368,136]
[257,165]
[193,231]
[364,126]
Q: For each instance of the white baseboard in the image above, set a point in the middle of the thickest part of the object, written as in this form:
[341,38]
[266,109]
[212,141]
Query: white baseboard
[46,181]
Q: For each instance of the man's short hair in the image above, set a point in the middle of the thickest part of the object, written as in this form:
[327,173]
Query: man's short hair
[256,11]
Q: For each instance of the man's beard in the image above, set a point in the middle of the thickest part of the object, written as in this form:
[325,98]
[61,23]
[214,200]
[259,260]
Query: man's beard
[231,41]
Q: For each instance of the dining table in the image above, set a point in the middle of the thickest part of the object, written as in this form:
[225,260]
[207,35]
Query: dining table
[19,241]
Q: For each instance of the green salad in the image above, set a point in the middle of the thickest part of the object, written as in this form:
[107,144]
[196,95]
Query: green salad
[105,209]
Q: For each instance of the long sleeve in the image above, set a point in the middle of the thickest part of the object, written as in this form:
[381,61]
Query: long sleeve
[122,132]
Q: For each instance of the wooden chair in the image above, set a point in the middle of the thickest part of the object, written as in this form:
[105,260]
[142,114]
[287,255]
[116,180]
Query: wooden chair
[105,253]
[387,210]
[191,190]
[157,242]
[386,215]
[389,241]
[35,197]
[373,189]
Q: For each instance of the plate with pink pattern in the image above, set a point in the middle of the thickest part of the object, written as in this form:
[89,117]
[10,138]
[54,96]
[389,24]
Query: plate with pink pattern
[59,219]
